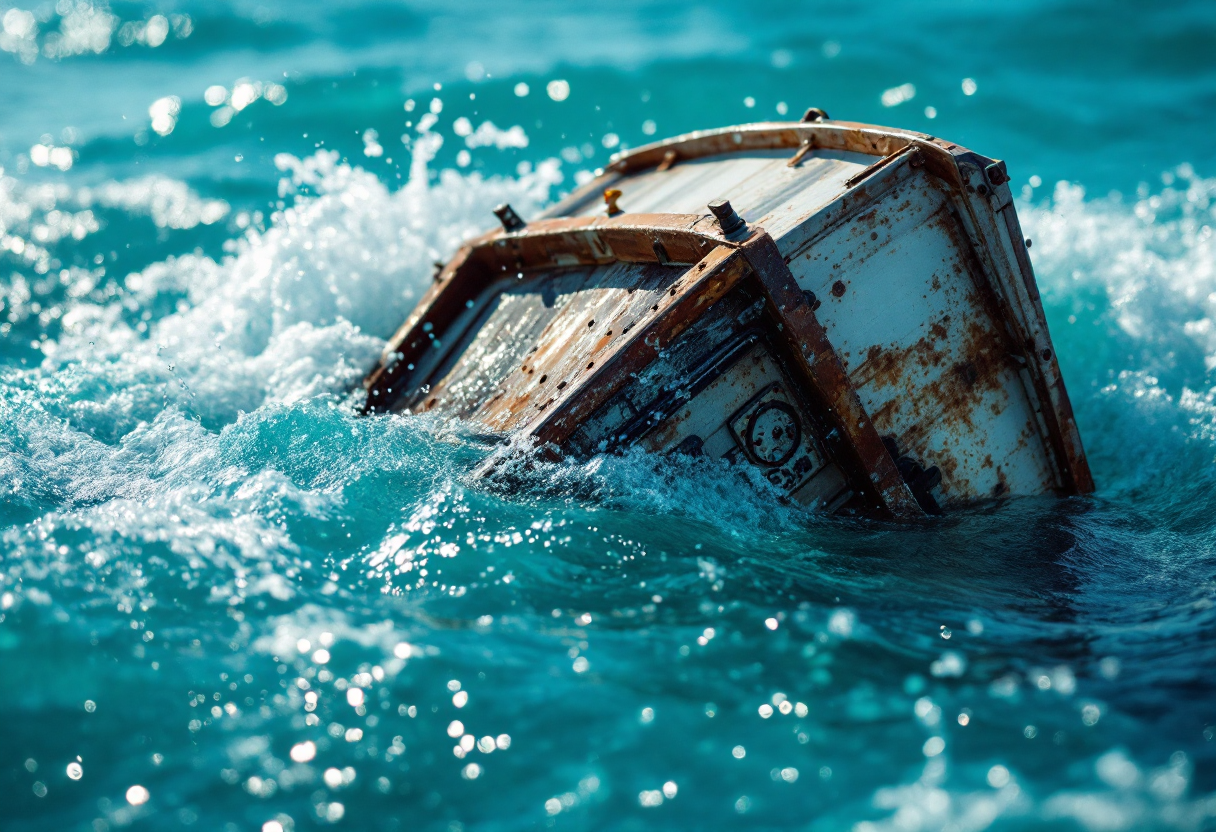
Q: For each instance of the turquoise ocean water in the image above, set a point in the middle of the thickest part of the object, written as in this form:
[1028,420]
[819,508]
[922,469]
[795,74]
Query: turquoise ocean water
[226,603]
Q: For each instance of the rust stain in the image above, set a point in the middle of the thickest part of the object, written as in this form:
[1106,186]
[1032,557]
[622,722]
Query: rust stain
[941,393]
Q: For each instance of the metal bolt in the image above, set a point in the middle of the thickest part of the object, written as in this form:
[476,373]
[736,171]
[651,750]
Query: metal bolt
[815,114]
[510,220]
[732,224]
[660,253]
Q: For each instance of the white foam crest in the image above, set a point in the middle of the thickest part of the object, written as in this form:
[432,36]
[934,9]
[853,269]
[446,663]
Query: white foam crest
[207,506]
[490,135]
[735,499]
[927,805]
[300,309]
[172,495]
[170,452]
[86,26]
[294,312]
[1154,258]
[1134,801]
[36,217]
[1143,269]
[19,34]
[310,621]
[166,484]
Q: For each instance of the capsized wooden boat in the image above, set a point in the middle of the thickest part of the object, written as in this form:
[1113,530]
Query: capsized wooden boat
[849,308]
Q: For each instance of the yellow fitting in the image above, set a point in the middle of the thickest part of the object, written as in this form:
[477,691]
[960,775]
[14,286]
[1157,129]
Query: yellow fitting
[611,195]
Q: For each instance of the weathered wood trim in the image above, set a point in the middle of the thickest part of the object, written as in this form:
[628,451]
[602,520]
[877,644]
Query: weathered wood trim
[816,360]
[670,239]
[773,135]
[849,136]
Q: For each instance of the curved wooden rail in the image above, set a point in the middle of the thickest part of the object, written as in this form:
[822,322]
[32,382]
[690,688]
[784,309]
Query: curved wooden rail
[668,239]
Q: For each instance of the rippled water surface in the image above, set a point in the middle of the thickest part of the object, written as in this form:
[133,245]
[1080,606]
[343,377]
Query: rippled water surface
[226,603]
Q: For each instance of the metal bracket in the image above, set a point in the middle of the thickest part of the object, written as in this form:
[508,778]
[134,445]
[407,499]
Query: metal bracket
[804,149]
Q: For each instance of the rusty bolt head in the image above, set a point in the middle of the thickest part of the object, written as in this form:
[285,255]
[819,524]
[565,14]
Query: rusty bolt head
[838,288]
[730,221]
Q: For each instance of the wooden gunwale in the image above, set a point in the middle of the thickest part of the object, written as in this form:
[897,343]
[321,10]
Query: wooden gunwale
[542,244]
[770,135]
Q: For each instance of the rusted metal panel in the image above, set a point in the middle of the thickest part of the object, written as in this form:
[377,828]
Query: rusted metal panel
[902,308]
[748,413]
[635,401]
[870,338]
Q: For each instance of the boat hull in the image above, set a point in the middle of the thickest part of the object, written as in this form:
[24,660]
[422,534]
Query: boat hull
[870,337]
